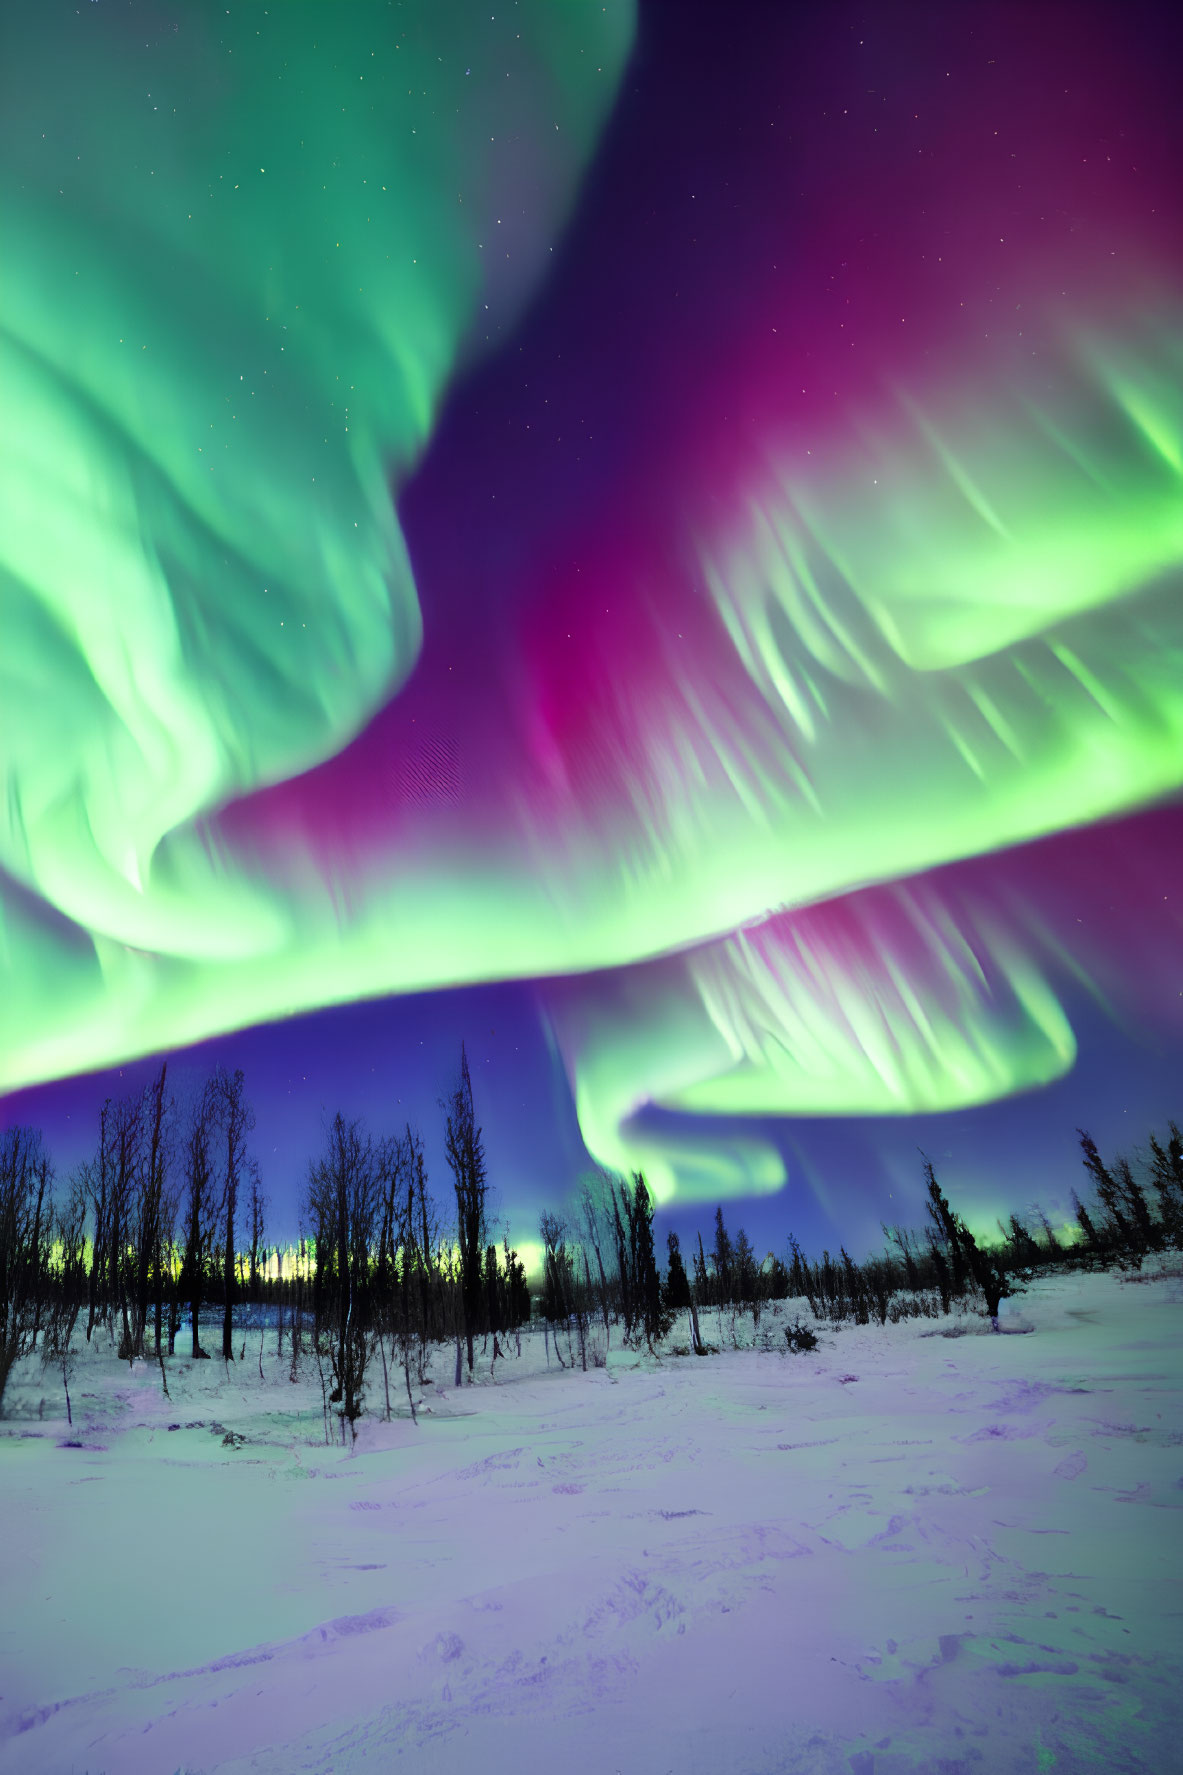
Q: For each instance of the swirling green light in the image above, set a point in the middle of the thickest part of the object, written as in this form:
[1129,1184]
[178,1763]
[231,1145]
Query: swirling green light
[242,260]
[228,316]
[892,1002]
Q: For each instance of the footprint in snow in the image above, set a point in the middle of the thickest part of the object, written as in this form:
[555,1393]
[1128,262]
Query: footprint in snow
[446,1646]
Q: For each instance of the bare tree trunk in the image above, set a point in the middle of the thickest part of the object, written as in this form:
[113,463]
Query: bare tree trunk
[407,1380]
[324,1391]
[127,1348]
[385,1373]
[279,1303]
[228,1284]
[296,1335]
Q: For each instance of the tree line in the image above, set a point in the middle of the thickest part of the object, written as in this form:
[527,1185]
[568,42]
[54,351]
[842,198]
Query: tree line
[166,1221]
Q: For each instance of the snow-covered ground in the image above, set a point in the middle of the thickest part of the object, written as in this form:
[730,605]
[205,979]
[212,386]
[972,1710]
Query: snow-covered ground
[906,1552]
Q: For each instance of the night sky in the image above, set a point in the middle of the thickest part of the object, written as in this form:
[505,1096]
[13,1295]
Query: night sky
[648,542]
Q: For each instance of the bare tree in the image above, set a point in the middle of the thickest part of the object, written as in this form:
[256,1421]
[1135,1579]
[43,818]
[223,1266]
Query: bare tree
[168,1271]
[198,1209]
[125,1128]
[517,1291]
[402,1272]
[296,1328]
[495,1317]
[590,1213]
[97,1182]
[620,1208]
[450,1277]
[389,1285]
[148,1210]
[424,1234]
[343,1202]
[67,1284]
[556,1279]
[256,1216]
[235,1121]
[25,1234]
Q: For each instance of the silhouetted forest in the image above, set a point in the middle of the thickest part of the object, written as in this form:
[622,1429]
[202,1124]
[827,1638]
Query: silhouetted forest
[160,1238]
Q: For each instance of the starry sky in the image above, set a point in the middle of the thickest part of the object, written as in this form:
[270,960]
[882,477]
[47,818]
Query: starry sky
[646,539]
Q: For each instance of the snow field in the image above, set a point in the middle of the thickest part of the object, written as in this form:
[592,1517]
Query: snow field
[904,1554]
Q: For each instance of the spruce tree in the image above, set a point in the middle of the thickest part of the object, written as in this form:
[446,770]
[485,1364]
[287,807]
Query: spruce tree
[724,1261]
[1166,1173]
[987,1271]
[942,1274]
[778,1278]
[648,1282]
[677,1283]
[466,1159]
[494,1298]
[856,1292]
[947,1227]
[1146,1234]
[1022,1244]
[744,1270]
[798,1282]
[702,1280]
[236,1118]
[678,1293]
[1117,1226]
[517,1288]
[1084,1220]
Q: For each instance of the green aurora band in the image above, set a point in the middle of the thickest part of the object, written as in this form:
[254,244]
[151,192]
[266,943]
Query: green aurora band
[895,1000]
[955,648]
[720,823]
[234,293]
[228,317]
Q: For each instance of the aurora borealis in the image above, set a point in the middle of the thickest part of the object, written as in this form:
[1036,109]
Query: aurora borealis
[680,509]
